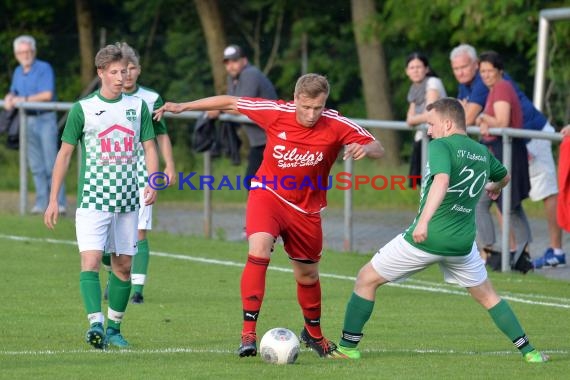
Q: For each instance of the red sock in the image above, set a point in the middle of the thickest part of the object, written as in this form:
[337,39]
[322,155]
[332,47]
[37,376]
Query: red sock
[309,297]
[252,290]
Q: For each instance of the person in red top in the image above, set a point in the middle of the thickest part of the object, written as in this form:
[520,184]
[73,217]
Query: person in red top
[563,210]
[503,110]
[288,193]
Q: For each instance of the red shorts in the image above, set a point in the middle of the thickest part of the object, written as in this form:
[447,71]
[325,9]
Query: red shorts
[302,233]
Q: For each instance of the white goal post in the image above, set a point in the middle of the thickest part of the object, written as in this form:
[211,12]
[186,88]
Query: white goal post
[546,16]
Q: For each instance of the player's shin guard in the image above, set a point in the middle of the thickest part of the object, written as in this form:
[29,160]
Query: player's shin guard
[507,322]
[119,292]
[358,311]
[140,266]
[309,297]
[252,290]
[90,288]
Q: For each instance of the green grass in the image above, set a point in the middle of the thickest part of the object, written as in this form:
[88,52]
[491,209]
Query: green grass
[189,325]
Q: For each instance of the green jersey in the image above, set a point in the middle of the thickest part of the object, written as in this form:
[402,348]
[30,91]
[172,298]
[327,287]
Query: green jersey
[470,165]
[110,132]
[153,102]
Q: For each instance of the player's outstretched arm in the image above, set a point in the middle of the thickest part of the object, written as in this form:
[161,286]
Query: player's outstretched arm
[220,102]
[59,171]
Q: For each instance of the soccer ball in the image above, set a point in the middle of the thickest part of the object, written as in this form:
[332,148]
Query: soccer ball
[279,346]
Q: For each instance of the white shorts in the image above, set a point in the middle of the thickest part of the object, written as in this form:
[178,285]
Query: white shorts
[106,231]
[541,167]
[145,213]
[398,260]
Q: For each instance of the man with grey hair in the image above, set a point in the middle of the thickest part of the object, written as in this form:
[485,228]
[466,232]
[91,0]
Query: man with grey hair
[34,81]
[542,170]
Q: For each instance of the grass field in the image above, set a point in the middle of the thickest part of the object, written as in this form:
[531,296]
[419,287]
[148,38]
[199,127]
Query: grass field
[189,326]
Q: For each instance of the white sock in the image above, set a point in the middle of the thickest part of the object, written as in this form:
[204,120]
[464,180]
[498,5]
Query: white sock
[558,251]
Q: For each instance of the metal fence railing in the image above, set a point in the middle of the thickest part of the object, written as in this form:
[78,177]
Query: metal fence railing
[506,133]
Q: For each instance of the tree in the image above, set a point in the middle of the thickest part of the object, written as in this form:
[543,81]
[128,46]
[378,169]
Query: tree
[373,74]
[211,20]
[86,49]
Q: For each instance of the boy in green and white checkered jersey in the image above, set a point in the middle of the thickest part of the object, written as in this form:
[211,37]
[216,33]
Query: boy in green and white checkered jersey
[154,101]
[109,127]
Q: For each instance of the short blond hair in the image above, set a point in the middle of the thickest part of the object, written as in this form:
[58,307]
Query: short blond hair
[312,85]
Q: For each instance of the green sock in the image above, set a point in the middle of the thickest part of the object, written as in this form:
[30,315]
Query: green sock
[358,311]
[507,322]
[119,292]
[90,288]
[140,266]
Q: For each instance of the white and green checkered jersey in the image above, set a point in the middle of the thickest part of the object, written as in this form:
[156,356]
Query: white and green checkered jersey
[110,132]
[154,102]
[470,165]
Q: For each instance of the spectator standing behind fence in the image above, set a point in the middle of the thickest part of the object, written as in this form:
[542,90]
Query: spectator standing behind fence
[247,80]
[542,170]
[502,110]
[34,81]
[426,88]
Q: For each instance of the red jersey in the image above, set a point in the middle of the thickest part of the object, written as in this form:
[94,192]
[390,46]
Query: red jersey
[563,214]
[297,160]
[503,90]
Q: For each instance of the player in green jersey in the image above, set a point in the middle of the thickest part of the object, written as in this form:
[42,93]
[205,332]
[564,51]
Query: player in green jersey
[458,171]
[110,128]
[154,101]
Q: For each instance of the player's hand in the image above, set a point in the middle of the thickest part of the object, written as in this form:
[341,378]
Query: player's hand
[493,190]
[420,233]
[171,174]
[149,195]
[167,107]
[565,132]
[51,214]
[354,150]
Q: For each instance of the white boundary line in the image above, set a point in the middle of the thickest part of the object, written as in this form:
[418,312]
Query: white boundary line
[189,350]
[421,285]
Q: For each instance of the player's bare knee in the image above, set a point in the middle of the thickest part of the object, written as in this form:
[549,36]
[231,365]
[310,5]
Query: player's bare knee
[368,279]
[141,234]
[261,244]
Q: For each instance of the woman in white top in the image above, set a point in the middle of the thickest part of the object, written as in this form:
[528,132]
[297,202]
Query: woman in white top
[426,88]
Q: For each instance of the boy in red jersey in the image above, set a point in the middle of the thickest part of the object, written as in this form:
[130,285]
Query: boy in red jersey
[288,193]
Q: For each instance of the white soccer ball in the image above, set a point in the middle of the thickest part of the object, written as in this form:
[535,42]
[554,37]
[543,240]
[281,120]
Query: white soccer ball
[279,346]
